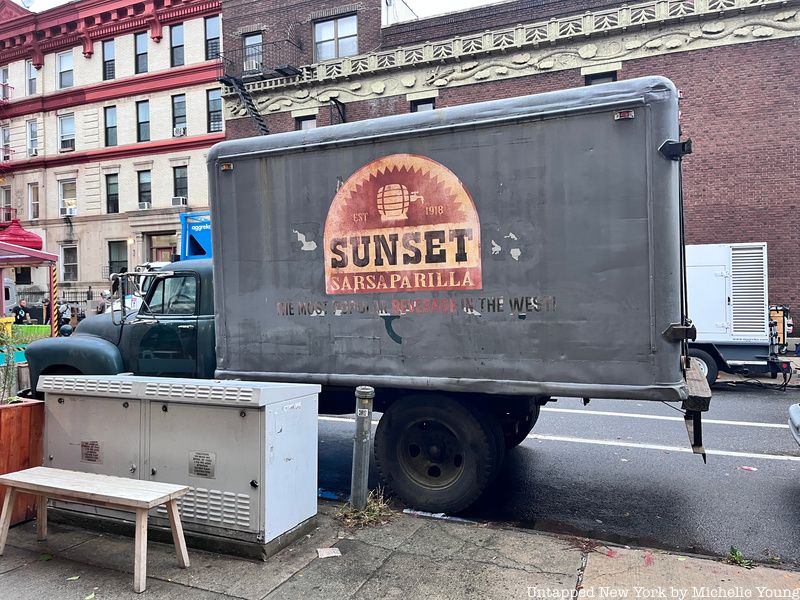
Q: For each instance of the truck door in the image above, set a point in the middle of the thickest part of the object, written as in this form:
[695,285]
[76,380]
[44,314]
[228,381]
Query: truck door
[161,339]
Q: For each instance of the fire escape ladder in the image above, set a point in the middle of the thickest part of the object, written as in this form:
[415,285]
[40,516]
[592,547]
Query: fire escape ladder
[247,101]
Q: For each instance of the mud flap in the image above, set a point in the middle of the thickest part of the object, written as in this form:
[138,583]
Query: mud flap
[698,402]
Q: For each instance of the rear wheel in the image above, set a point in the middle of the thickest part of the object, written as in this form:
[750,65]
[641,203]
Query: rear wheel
[520,428]
[706,363]
[437,454]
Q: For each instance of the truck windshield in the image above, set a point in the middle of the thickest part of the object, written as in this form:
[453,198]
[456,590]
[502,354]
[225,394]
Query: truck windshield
[173,296]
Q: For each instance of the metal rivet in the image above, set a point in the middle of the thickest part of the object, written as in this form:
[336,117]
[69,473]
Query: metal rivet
[164,408]
[125,405]
[242,413]
[61,401]
[253,483]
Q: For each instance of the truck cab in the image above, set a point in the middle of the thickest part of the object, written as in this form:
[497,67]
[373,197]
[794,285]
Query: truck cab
[170,335]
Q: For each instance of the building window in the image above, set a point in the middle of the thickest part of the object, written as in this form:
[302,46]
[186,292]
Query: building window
[252,51]
[423,105]
[110,115]
[143,121]
[180,182]
[212,38]
[112,193]
[33,201]
[335,38]
[179,115]
[69,263]
[5,88]
[30,77]
[6,209]
[214,110]
[176,45]
[64,66]
[5,142]
[23,276]
[145,195]
[32,137]
[140,41]
[607,77]
[303,123]
[66,133]
[117,257]
[67,198]
[109,60]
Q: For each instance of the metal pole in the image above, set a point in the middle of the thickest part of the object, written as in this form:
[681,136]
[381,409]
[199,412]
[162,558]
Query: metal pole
[361,447]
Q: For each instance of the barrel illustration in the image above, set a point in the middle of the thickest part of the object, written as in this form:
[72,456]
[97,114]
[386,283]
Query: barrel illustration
[394,200]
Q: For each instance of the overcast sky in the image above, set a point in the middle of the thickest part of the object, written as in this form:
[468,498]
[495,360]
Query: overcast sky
[423,8]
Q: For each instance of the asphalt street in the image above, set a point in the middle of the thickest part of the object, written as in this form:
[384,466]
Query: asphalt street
[622,471]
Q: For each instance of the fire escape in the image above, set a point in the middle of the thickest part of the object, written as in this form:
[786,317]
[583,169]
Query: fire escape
[256,62]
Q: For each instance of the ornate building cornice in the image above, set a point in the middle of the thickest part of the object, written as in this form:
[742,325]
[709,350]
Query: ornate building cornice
[575,41]
[80,23]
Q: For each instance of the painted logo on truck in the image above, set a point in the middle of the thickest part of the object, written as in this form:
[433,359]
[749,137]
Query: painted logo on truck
[402,223]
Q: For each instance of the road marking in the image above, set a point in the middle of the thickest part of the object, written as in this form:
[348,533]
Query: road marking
[706,421]
[559,438]
[573,440]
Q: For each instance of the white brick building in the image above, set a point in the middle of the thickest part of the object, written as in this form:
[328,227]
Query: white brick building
[106,117]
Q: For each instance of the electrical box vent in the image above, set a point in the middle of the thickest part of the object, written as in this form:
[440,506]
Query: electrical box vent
[213,506]
[66,385]
[749,289]
[164,391]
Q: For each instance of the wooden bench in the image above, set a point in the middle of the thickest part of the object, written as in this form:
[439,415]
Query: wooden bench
[102,490]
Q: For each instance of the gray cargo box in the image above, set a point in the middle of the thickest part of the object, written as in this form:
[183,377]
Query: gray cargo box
[521,246]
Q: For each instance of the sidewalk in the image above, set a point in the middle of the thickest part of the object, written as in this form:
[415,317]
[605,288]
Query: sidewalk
[409,558]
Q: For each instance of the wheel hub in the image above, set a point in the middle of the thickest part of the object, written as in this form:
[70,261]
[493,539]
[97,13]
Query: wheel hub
[430,454]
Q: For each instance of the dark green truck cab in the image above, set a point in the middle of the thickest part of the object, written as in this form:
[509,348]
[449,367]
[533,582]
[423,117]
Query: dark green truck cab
[171,335]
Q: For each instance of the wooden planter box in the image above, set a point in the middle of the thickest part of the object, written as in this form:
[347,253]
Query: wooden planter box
[21,432]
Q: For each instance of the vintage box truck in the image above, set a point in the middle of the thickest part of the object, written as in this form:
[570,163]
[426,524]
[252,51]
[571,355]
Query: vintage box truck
[470,263]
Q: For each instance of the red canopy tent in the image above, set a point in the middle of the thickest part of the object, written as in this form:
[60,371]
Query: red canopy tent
[22,254]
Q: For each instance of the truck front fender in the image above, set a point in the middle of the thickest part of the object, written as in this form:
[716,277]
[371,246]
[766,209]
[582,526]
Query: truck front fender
[86,354]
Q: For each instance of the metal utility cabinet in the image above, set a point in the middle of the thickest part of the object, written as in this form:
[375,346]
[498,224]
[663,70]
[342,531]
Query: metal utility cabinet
[247,449]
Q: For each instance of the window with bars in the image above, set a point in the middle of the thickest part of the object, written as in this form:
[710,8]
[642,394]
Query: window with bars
[178,111]
[251,43]
[110,115]
[214,110]
[335,38]
[140,42]
[66,133]
[144,187]
[112,193]
[180,181]
[109,60]
[64,67]
[176,45]
[212,37]
[143,121]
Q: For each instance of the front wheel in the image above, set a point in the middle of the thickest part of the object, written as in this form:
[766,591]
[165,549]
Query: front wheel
[706,363]
[436,453]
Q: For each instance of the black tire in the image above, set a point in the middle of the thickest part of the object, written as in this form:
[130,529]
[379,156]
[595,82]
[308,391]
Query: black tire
[515,435]
[709,365]
[436,454]
[491,424]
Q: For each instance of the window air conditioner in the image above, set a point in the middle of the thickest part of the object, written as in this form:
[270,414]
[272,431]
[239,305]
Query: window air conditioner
[144,205]
[251,65]
[33,152]
[68,212]
[179,201]
[179,131]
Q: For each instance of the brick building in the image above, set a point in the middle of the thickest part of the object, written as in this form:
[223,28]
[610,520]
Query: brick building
[737,62]
[107,112]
